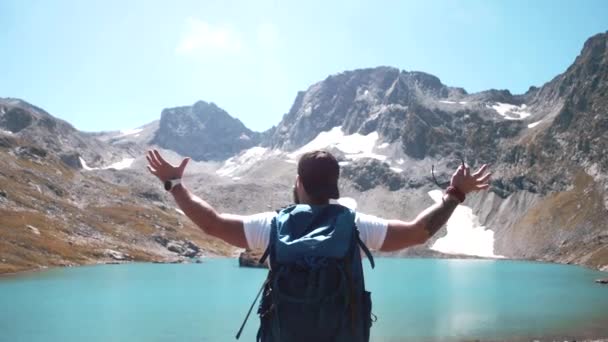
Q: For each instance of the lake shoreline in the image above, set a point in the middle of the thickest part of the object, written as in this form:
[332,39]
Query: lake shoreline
[235,256]
[112,262]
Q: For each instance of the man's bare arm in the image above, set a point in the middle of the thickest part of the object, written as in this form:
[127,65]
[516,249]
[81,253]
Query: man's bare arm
[402,234]
[226,227]
[434,217]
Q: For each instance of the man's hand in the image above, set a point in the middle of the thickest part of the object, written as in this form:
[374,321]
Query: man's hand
[162,169]
[466,182]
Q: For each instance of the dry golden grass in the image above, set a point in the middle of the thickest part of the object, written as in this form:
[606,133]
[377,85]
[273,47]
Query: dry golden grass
[570,208]
[24,249]
[565,223]
[109,224]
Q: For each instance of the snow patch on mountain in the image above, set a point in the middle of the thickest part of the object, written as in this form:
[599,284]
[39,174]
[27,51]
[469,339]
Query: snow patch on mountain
[355,146]
[453,102]
[510,112]
[534,124]
[465,235]
[85,166]
[133,131]
[123,164]
[243,161]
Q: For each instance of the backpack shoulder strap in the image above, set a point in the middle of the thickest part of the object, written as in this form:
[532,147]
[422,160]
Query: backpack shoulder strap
[360,242]
[273,235]
[273,228]
[368,254]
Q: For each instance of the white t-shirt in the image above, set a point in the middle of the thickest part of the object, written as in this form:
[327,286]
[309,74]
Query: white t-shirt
[257,229]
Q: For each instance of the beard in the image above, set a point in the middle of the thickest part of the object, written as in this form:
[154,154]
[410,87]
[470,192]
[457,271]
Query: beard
[296,198]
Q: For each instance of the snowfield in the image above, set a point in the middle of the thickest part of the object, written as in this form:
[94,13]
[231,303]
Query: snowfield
[123,164]
[355,146]
[243,161]
[465,234]
[85,166]
[510,112]
[453,102]
[134,131]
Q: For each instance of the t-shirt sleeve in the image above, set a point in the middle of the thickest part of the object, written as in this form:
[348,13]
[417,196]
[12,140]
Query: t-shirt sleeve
[372,230]
[257,229]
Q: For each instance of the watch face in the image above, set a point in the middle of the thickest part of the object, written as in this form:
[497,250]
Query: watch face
[168,185]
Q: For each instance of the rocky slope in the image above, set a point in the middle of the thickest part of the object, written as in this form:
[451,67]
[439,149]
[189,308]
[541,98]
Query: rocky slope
[133,141]
[53,212]
[41,129]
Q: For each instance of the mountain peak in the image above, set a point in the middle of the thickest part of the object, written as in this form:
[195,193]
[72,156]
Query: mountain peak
[353,99]
[595,49]
[203,131]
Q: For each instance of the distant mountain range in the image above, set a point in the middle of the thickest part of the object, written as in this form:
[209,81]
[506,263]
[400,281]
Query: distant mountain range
[547,147]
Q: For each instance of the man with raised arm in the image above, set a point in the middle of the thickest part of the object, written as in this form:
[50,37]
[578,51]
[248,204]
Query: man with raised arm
[315,289]
[316,183]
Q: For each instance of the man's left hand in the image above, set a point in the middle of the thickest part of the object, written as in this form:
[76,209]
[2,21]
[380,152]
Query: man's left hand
[466,182]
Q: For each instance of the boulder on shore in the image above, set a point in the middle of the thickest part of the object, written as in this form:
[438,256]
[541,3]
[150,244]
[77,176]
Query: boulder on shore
[251,258]
[182,248]
[116,255]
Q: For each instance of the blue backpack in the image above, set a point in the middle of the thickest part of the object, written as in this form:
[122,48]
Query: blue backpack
[315,289]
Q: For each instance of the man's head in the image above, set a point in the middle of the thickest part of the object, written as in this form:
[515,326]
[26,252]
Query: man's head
[317,180]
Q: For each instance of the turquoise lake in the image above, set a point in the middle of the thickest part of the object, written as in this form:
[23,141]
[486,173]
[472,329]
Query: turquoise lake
[414,299]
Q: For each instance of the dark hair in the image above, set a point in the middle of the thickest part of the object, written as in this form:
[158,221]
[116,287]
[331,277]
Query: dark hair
[319,172]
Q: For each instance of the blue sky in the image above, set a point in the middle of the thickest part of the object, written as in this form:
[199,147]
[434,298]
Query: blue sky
[105,65]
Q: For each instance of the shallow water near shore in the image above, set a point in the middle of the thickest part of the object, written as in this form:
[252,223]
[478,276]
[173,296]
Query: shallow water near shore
[414,299]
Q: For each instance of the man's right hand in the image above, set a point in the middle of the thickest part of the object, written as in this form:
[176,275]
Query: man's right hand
[163,169]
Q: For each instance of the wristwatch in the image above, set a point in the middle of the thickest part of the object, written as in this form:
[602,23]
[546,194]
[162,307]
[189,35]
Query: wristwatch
[171,183]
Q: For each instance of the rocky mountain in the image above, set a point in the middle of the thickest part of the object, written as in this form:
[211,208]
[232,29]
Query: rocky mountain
[547,148]
[58,210]
[203,131]
[358,101]
[43,130]
[387,127]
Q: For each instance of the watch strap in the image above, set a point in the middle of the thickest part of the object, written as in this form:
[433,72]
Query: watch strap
[455,192]
[171,183]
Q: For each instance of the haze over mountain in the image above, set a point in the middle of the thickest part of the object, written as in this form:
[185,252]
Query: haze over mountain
[547,150]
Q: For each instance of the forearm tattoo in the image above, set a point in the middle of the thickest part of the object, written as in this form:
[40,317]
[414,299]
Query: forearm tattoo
[439,215]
